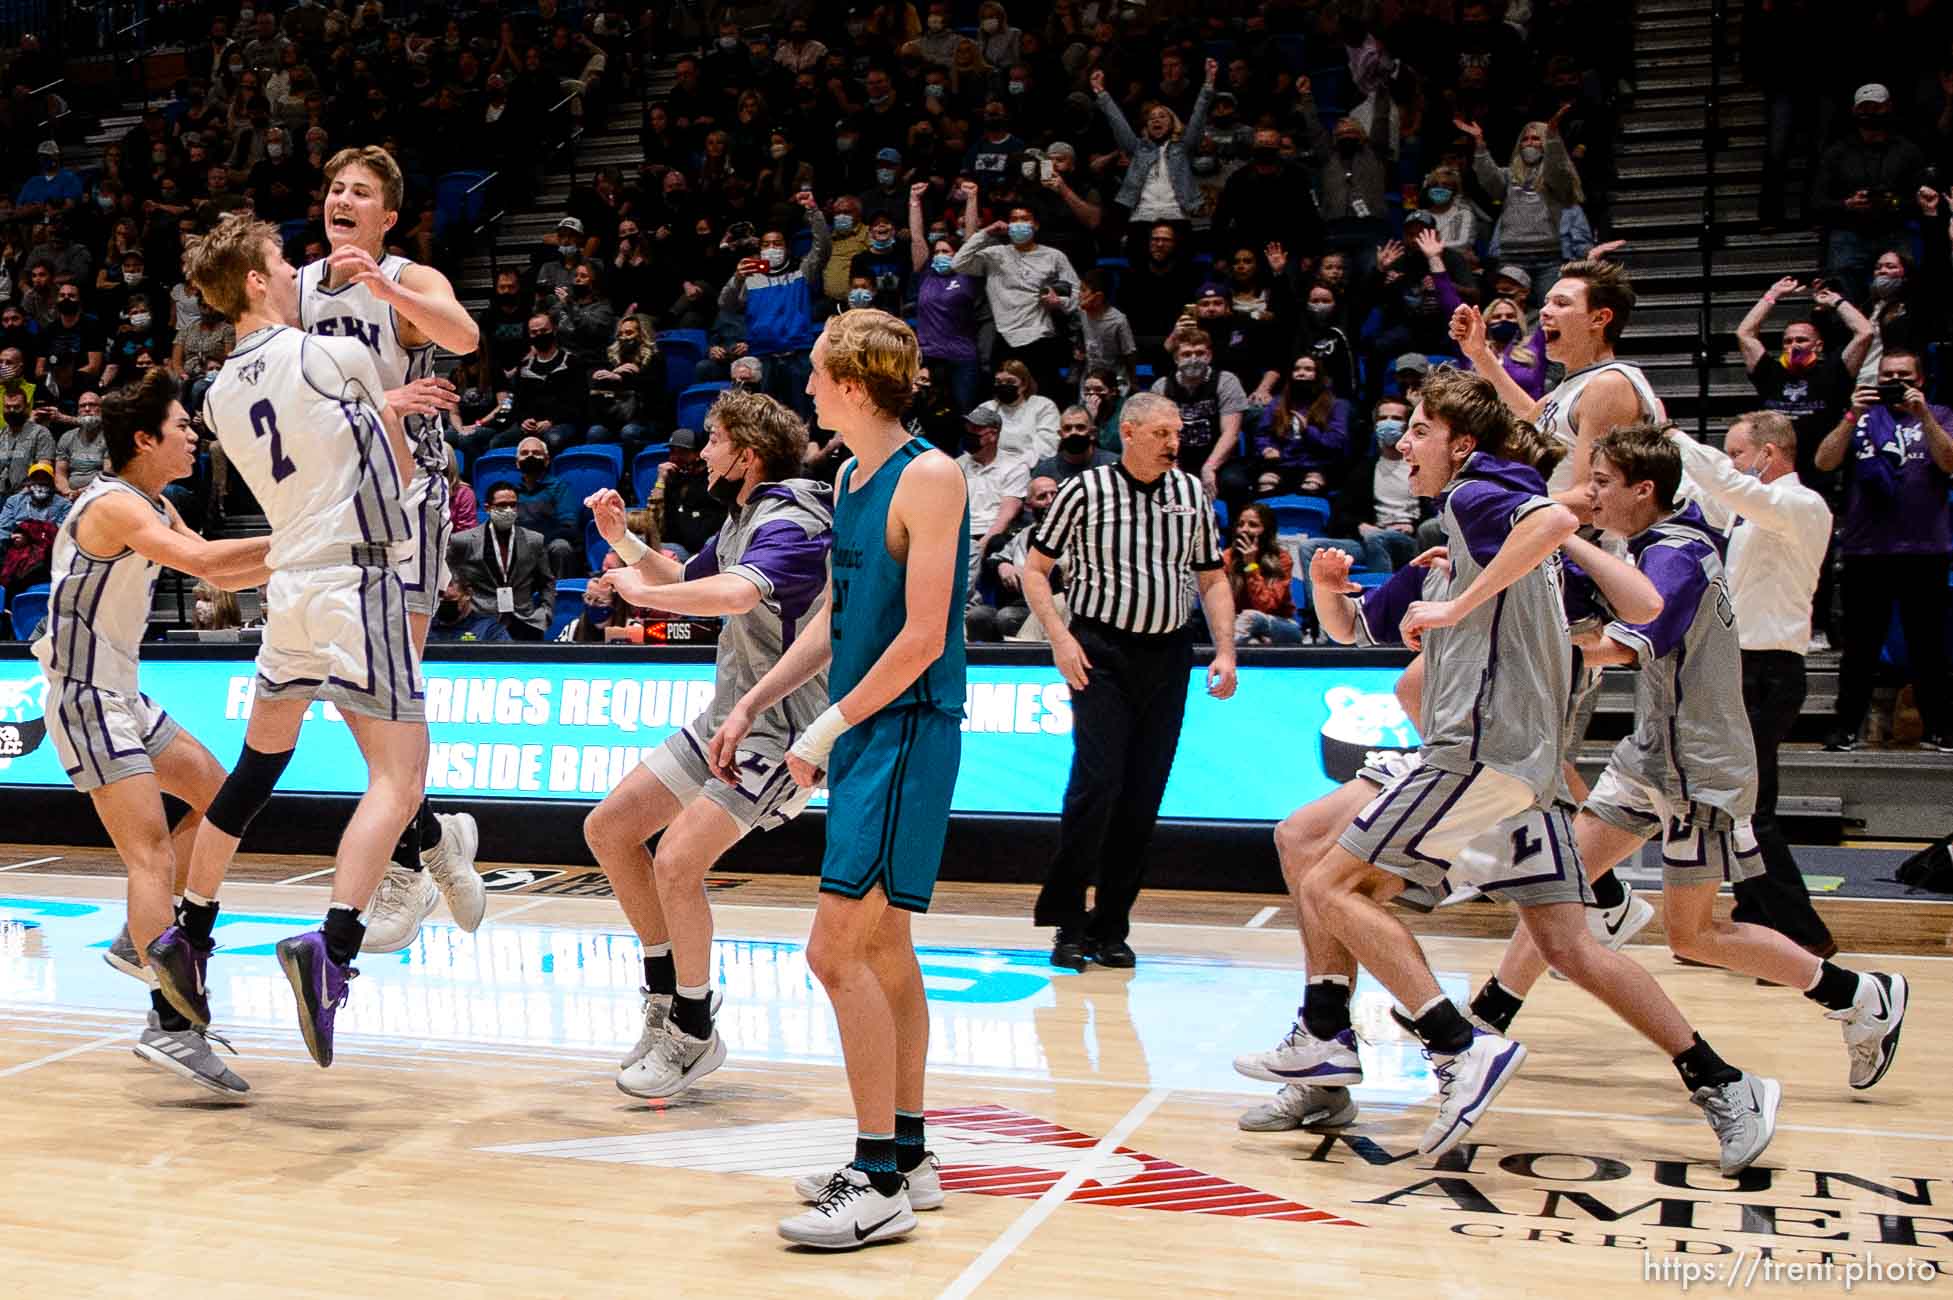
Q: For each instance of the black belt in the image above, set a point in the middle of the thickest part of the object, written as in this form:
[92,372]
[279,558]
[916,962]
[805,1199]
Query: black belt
[1150,640]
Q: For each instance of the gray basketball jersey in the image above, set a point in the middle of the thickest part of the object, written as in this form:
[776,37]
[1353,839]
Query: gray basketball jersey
[300,419]
[1691,736]
[1559,414]
[779,542]
[351,311]
[1496,685]
[98,605]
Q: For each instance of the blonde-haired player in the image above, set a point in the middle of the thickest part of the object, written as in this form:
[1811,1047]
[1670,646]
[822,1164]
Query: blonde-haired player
[401,311]
[310,426]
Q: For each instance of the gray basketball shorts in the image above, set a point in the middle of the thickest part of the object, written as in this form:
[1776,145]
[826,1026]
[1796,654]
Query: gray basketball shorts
[1700,845]
[105,736]
[766,797]
[1422,823]
[424,574]
[340,633]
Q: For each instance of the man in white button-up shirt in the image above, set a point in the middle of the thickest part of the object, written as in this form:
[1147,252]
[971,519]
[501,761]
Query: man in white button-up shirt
[1778,533]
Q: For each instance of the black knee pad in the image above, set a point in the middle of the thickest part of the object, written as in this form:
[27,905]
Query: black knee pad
[246,791]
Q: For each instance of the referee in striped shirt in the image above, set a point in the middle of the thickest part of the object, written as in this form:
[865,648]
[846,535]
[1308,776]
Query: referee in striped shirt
[1132,537]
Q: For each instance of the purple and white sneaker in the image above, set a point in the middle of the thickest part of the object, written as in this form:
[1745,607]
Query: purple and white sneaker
[319,983]
[1303,1058]
[180,964]
[1467,1083]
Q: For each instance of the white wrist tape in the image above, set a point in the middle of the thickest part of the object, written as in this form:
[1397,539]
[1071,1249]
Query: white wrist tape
[630,547]
[817,741]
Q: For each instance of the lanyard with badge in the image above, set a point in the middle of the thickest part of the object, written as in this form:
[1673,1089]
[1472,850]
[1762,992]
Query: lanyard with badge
[504,560]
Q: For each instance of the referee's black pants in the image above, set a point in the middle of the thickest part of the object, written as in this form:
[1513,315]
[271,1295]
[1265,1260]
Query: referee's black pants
[1773,694]
[1125,730]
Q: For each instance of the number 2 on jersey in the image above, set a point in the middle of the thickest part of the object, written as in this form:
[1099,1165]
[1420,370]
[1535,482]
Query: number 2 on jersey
[264,419]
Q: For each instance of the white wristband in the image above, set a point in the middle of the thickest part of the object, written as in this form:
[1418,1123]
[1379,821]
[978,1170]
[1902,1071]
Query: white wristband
[817,741]
[630,547]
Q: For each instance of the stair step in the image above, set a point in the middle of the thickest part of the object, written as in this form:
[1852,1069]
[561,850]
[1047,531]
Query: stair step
[1731,266]
[1650,9]
[1687,120]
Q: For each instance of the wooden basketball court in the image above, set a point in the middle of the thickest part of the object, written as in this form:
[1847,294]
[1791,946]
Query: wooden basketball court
[469,1140]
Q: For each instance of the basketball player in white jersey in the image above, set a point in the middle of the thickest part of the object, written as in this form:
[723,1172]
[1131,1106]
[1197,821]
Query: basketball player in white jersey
[118,747]
[1585,313]
[308,423]
[401,311]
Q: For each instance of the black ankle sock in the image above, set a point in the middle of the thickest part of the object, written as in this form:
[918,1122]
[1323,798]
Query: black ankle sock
[660,974]
[908,1140]
[1325,1007]
[198,920]
[167,1016]
[428,825]
[1837,988]
[344,933]
[1700,1067]
[1443,1030]
[422,833]
[692,1015]
[1609,891]
[874,1155]
[1496,1005]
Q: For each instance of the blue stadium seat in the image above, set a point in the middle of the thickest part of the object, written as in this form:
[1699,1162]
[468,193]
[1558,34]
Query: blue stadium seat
[681,351]
[1299,514]
[497,464]
[1298,591]
[454,204]
[644,470]
[29,608]
[695,401]
[594,547]
[569,604]
[589,468]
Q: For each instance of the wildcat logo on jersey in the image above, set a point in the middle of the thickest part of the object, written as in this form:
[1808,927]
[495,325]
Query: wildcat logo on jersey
[252,373]
[350,327]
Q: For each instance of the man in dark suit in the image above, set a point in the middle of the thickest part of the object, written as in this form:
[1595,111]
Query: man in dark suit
[506,569]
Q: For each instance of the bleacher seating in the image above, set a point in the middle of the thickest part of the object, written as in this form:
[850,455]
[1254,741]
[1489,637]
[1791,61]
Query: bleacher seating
[1299,514]
[495,466]
[594,546]
[644,470]
[695,401]
[569,604]
[29,607]
[589,468]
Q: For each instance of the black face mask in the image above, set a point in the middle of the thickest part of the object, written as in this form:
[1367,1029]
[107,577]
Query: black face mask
[1305,389]
[543,342]
[535,465]
[1005,393]
[448,611]
[973,443]
[1348,147]
[1267,154]
[725,489]
[1076,444]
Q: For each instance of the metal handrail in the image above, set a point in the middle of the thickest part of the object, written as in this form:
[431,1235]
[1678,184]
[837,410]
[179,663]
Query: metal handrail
[1707,352]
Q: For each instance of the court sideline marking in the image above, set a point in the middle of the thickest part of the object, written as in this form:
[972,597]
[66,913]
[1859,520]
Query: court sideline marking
[31,862]
[1261,918]
[25,1066]
[1014,1236]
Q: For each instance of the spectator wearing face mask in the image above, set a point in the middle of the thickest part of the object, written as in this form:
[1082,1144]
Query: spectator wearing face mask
[683,510]
[932,414]
[848,235]
[82,450]
[1904,305]
[1297,442]
[1863,188]
[1002,571]
[1078,449]
[137,334]
[883,267]
[506,570]
[1521,355]
[457,619]
[52,188]
[1802,381]
[549,392]
[1211,404]
[1352,176]
[1375,505]
[1030,289]
[946,302]
[24,443]
[775,293]
[76,348]
[1895,539]
[625,389]
[213,609]
[1269,201]
[1245,346]
[202,344]
[1028,420]
[989,155]
[28,521]
[549,507]
[996,483]
[583,316]
[1533,188]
